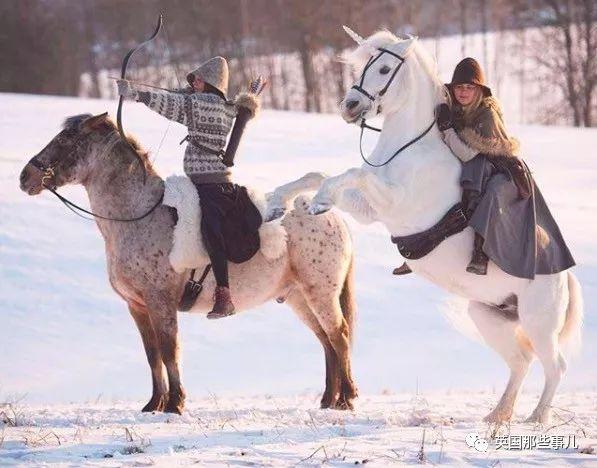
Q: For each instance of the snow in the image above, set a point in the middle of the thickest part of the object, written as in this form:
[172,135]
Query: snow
[269,431]
[68,345]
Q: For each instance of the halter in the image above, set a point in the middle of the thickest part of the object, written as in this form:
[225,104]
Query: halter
[49,183]
[372,98]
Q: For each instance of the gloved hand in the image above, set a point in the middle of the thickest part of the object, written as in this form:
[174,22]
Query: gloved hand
[514,167]
[126,89]
[443,117]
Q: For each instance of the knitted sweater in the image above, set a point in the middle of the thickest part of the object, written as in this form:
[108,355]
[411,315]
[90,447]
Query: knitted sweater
[208,118]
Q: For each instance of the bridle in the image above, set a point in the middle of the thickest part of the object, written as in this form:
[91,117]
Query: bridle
[372,98]
[48,181]
[369,64]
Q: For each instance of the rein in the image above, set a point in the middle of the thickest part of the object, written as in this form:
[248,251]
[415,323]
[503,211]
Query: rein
[49,174]
[73,206]
[402,148]
[372,98]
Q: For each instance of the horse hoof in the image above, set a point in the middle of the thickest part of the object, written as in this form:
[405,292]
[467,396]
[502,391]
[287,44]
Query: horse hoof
[155,404]
[274,213]
[538,418]
[327,402]
[175,405]
[319,208]
[497,417]
[175,409]
[344,405]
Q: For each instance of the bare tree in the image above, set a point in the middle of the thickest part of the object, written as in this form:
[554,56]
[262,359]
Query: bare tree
[463,26]
[565,52]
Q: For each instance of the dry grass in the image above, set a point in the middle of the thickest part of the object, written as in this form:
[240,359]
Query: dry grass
[40,438]
[11,411]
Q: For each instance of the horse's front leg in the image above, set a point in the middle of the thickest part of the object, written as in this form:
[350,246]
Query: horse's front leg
[282,197]
[379,195]
[163,315]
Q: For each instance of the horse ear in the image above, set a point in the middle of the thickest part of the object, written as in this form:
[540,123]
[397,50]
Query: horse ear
[93,123]
[353,35]
[410,39]
[406,43]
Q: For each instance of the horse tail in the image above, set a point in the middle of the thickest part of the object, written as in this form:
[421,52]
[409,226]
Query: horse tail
[348,302]
[570,331]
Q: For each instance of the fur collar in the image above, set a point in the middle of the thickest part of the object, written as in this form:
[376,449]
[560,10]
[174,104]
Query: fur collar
[495,146]
[485,132]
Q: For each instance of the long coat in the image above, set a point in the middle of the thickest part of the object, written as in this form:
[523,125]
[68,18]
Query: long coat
[521,235]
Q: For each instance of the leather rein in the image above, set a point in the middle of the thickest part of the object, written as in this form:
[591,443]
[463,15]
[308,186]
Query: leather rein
[372,98]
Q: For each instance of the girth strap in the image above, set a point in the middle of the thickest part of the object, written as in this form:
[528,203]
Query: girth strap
[416,246]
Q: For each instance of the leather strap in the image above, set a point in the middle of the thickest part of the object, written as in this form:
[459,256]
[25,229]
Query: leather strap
[416,246]
[203,275]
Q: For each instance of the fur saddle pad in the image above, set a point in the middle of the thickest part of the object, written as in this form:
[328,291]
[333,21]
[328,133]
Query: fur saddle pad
[188,250]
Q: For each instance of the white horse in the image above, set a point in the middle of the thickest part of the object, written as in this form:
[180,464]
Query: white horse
[415,189]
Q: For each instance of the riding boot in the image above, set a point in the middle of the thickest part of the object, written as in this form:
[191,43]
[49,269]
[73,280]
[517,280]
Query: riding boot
[478,264]
[402,270]
[223,306]
[470,200]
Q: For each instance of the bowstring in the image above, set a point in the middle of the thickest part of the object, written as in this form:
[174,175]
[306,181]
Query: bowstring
[166,42]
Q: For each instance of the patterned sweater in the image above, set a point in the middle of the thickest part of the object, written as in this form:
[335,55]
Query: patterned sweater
[208,118]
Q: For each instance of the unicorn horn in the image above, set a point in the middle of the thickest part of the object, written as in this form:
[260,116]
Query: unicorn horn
[353,35]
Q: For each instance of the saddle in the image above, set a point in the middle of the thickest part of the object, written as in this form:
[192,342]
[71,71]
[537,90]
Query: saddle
[188,250]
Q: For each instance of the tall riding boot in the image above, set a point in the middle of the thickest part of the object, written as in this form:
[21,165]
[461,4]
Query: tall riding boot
[402,270]
[223,306]
[478,264]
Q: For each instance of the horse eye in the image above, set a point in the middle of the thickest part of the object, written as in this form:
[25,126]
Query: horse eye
[384,70]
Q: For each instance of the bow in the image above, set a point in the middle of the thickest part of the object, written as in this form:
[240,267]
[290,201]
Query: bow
[125,63]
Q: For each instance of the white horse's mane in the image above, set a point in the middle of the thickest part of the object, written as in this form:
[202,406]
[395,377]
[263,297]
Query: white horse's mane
[358,57]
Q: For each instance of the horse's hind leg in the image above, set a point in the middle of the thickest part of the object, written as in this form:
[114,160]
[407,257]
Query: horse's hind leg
[154,357]
[337,329]
[332,378]
[165,323]
[507,339]
[542,313]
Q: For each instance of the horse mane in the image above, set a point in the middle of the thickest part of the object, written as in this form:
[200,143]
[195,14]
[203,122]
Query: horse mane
[73,122]
[429,65]
[358,57]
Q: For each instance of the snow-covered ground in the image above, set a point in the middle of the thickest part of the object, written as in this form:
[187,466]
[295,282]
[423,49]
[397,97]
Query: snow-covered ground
[68,346]
[267,431]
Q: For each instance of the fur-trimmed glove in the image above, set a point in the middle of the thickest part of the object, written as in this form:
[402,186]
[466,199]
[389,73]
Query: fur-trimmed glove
[126,89]
[517,170]
[443,117]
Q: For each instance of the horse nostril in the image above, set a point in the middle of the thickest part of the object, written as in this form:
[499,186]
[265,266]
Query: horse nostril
[351,104]
[24,176]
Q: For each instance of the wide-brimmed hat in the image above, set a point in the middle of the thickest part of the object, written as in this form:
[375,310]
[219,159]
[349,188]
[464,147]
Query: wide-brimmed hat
[214,72]
[468,71]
